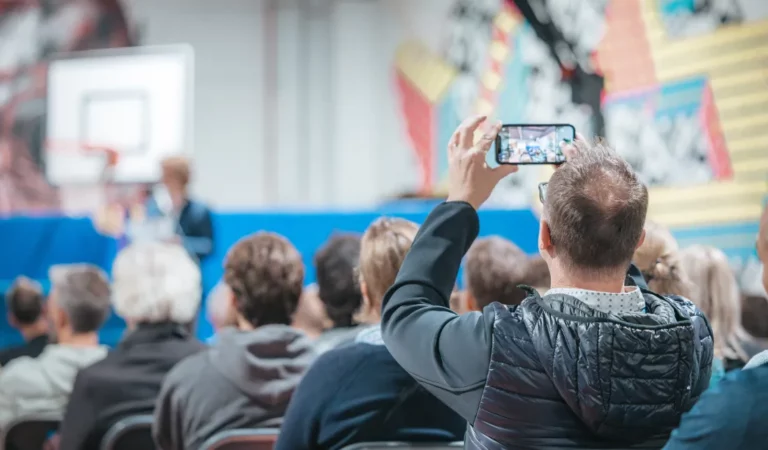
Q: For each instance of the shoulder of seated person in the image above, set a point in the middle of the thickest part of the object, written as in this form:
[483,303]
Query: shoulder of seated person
[189,367]
[18,368]
[348,357]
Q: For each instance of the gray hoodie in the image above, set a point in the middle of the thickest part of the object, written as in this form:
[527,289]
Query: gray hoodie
[245,380]
[42,385]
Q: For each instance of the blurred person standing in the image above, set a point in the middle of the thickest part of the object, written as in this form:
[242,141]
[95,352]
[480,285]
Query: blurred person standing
[251,371]
[338,289]
[597,362]
[716,292]
[26,312]
[77,307]
[156,289]
[358,392]
[493,269]
[731,414]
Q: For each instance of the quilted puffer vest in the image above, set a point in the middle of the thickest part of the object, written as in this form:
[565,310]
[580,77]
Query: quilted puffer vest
[564,375]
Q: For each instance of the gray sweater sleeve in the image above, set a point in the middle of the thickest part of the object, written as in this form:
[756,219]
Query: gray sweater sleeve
[447,353]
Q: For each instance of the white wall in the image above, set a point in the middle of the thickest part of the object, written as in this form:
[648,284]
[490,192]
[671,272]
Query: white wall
[295,103]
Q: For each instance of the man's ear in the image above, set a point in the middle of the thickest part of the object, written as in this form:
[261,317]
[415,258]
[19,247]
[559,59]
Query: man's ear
[11,320]
[545,237]
[642,239]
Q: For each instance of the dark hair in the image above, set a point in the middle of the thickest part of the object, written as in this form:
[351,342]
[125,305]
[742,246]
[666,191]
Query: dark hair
[596,207]
[266,275]
[24,300]
[494,269]
[83,292]
[337,284]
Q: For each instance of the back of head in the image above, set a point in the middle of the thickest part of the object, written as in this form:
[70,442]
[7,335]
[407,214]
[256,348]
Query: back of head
[266,275]
[715,291]
[24,301]
[82,292]
[659,260]
[219,306]
[595,207]
[382,252]
[179,168]
[156,282]
[337,284]
[537,274]
[493,270]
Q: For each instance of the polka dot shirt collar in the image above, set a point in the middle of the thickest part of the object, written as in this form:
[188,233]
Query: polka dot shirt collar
[629,301]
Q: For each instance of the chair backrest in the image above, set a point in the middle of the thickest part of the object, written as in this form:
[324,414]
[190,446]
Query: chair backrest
[245,439]
[405,446]
[29,432]
[130,433]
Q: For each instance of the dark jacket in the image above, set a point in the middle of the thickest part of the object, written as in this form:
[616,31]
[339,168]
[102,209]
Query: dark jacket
[32,348]
[124,383]
[248,378]
[731,415]
[550,373]
[194,226]
[358,393]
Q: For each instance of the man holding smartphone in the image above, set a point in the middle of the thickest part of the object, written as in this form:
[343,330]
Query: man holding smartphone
[597,360]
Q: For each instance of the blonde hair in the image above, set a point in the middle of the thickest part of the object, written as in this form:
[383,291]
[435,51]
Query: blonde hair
[155,282]
[179,167]
[658,258]
[715,291]
[382,252]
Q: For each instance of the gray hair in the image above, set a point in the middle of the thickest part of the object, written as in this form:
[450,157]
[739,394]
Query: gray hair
[156,282]
[82,292]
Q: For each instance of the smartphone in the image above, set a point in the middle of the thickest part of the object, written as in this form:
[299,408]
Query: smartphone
[533,144]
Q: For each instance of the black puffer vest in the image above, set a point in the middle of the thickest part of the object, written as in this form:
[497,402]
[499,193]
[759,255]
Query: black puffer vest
[564,375]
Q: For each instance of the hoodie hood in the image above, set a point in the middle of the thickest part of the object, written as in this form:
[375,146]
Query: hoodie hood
[619,373]
[266,364]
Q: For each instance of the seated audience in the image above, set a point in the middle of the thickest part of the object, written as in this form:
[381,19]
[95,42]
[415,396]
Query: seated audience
[335,265]
[156,289]
[219,309]
[595,363]
[716,291]
[493,270]
[77,307]
[358,392]
[537,275]
[754,314]
[26,313]
[310,316]
[732,414]
[247,377]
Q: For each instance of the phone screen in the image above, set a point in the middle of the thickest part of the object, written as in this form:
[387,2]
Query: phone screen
[533,144]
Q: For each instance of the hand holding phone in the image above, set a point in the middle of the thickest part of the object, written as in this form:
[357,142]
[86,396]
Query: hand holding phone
[518,144]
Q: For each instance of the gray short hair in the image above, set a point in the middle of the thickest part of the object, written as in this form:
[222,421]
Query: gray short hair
[82,292]
[596,207]
[156,282]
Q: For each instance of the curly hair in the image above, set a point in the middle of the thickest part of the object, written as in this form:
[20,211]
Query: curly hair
[338,287]
[266,274]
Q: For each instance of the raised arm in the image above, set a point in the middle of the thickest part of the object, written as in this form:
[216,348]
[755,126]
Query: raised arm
[447,353]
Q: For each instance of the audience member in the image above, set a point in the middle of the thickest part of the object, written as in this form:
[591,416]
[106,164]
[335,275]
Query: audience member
[310,316]
[335,265]
[250,372]
[358,392]
[77,307]
[731,415]
[493,270]
[594,363]
[658,258]
[221,314]
[156,289]
[716,292]
[754,315]
[26,313]
[537,274]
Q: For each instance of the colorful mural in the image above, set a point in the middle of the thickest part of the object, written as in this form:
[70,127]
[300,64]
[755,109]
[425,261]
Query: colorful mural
[680,87]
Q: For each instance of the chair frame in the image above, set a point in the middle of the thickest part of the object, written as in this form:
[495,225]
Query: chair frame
[42,417]
[403,445]
[241,435]
[123,426]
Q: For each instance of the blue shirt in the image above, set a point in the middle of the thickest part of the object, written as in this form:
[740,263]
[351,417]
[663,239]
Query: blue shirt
[732,414]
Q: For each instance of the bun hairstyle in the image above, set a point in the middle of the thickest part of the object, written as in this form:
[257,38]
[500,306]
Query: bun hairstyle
[658,258]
